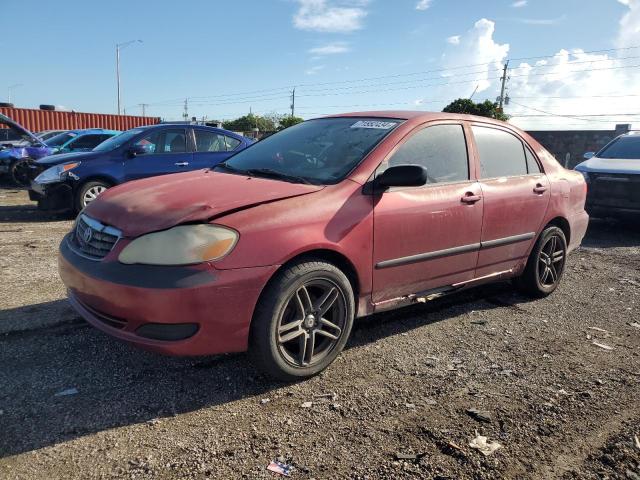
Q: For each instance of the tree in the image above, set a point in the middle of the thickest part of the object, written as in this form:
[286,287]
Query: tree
[288,121]
[248,122]
[484,109]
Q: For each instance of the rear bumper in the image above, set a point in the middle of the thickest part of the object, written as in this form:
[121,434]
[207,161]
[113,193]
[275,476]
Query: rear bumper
[209,311]
[578,224]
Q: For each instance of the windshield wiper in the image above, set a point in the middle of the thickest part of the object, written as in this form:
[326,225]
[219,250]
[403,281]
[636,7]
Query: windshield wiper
[228,167]
[267,172]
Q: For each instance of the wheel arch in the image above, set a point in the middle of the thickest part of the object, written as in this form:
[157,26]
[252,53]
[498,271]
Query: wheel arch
[563,224]
[331,256]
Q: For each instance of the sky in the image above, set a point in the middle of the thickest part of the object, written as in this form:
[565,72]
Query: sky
[573,64]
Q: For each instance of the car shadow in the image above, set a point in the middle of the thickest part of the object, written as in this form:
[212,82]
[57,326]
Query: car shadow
[30,213]
[611,233]
[70,380]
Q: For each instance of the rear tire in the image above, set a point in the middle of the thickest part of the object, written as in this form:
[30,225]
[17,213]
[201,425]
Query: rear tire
[302,321]
[545,265]
[88,192]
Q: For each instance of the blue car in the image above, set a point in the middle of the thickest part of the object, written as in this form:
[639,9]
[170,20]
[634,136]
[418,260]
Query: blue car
[79,140]
[70,181]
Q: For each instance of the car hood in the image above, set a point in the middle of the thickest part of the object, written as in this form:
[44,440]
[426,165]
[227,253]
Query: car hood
[610,165]
[53,160]
[159,203]
[19,128]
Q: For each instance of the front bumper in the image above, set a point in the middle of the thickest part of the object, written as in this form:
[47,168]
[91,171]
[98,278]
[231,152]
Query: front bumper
[52,196]
[121,299]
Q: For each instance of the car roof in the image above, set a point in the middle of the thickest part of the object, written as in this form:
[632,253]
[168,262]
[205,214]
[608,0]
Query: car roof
[418,115]
[90,130]
[185,125]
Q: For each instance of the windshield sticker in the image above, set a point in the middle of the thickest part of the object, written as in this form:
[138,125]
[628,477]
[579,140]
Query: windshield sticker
[374,124]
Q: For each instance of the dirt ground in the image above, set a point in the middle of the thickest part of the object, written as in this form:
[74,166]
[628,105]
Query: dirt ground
[74,403]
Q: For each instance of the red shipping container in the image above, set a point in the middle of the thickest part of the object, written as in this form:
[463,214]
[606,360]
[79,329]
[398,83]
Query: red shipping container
[38,120]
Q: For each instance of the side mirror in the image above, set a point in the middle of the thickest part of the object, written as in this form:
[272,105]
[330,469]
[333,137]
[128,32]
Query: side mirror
[589,155]
[138,149]
[402,176]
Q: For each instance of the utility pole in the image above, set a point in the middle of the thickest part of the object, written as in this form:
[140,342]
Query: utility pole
[10,91]
[144,108]
[293,102]
[185,115]
[120,46]
[504,79]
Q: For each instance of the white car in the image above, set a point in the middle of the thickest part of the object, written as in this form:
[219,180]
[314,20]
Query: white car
[613,177]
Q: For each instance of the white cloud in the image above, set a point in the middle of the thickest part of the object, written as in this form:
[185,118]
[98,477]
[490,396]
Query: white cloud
[322,16]
[330,49]
[423,4]
[314,70]
[542,21]
[418,101]
[519,4]
[454,40]
[477,46]
[629,33]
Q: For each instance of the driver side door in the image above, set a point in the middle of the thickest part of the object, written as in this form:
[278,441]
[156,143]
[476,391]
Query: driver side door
[429,236]
[168,152]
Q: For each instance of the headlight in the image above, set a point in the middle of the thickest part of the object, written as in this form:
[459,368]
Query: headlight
[55,174]
[183,245]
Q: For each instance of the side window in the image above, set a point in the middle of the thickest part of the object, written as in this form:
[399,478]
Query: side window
[209,141]
[532,164]
[231,142]
[165,141]
[442,149]
[85,141]
[501,154]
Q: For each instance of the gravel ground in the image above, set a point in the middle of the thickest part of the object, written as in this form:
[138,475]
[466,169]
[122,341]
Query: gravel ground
[75,403]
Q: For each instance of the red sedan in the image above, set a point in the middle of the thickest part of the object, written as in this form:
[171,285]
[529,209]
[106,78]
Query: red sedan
[279,249]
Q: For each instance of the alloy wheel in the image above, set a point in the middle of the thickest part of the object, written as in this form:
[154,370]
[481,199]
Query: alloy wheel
[551,261]
[92,193]
[311,322]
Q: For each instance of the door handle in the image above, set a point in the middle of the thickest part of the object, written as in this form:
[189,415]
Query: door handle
[539,188]
[470,197]
[181,164]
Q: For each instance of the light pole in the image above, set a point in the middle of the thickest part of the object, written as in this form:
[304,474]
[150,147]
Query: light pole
[120,46]
[10,90]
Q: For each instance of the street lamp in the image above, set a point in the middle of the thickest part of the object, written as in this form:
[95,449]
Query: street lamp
[120,46]
[10,90]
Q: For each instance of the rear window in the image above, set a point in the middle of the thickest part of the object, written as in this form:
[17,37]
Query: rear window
[320,151]
[623,147]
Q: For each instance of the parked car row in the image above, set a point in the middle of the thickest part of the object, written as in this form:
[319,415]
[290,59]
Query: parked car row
[278,248]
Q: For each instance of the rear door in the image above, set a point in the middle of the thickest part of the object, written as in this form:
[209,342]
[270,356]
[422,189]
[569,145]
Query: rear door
[516,195]
[168,152]
[427,237]
[212,147]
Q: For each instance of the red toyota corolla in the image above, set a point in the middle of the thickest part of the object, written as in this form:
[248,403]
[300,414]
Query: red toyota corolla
[278,249]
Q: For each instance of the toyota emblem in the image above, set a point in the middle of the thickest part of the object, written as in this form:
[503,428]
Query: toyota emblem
[87,235]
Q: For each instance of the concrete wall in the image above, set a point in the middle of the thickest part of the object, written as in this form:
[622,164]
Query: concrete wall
[568,146]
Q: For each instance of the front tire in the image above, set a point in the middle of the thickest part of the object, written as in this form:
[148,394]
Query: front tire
[88,192]
[303,321]
[20,172]
[545,265]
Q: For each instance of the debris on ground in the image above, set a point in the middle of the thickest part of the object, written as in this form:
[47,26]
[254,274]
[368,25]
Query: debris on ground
[636,440]
[635,324]
[307,405]
[67,392]
[597,329]
[479,321]
[486,447]
[280,468]
[479,415]
[602,345]
[410,457]
[264,401]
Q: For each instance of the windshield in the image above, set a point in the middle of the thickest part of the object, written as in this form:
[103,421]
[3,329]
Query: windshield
[60,139]
[118,140]
[622,147]
[319,151]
